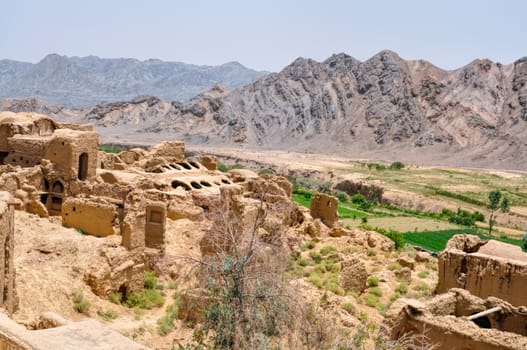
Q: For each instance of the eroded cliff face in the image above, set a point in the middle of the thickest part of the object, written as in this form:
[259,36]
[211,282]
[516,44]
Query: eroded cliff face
[385,107]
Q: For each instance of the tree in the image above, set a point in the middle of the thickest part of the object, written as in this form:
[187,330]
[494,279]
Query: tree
[496,201]
[244,278]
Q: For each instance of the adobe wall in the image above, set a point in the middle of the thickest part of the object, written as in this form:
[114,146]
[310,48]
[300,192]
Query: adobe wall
[26,150]
[484,274]
[82,335]
[446,314]
[74,153]
[324,207]
[8,298]
[94,217]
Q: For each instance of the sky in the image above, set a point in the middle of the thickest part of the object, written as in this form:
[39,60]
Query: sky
[266,34]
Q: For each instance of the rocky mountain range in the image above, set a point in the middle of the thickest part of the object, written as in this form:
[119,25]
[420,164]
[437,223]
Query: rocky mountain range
[382,108]
[83,81]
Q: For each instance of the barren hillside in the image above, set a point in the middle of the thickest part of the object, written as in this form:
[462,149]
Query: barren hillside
[383,108]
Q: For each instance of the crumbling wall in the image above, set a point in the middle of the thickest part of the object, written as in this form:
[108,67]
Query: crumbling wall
[483,274]
[8,298]
[144,221]
[209,162]
[324,207]
[446,314]
[93,216]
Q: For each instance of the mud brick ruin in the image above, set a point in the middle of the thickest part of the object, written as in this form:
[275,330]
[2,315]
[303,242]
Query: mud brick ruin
[324,207]
[8,298]
[444,321]
[57,170]
[124,201]
[484,268]
[481,301]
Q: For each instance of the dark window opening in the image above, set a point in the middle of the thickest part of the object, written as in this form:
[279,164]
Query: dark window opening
[225,181]
[483,322]
[329,204]
[3,155]
[83,166]
[123,290]
[205,183]
[194,164]
[176,184]
[44,198]
[175,166]
[185,165]
[205,208]
[46,185]
[196,185]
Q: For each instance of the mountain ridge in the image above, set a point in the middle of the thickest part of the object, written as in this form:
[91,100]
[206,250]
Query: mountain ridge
[382,108]
[78,82]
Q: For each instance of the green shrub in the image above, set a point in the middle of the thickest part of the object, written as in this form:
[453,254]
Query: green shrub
[402,287]
[224,168]
[316,278]
[150,280]
[395,296]
[343,197]
[349,308]
[145,299]
[423,274]
[394,266]
[372,300]
[308,245]
[81,305]
[327,250]
[303,262]
[357,198]
[116,297]
[371,252]
[317,258]
[373,281]
[397,165]
[108,315]
[376,291]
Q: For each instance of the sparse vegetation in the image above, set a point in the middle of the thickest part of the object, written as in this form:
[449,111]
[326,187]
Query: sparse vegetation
[80,304]
[402,287]
[496,201]
[225,168]
[111,148]
[149,297]
[397,165]
[166,322]
[373,281]
[108,315]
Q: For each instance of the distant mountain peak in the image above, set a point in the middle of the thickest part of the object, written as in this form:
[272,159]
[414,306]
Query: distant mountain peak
[82,81]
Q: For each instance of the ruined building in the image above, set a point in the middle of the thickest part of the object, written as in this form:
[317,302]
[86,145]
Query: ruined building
[8,299]
[458,320]
[324,207]
[484,268]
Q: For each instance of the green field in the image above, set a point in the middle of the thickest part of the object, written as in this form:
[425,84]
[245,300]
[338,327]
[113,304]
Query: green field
[436,240]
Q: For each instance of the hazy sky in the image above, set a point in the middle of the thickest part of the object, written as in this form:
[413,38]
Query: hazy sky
[267,34]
